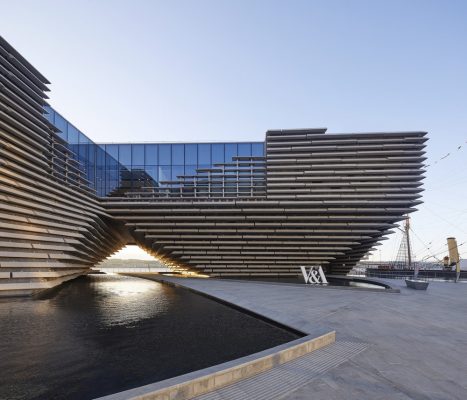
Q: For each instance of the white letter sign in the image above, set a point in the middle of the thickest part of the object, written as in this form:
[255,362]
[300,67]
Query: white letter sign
[315,275]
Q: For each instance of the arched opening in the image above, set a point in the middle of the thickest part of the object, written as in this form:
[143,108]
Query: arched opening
[132,258]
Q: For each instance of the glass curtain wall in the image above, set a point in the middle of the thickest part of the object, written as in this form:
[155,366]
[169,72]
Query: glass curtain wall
[113,169]
[101,169]
[167,161]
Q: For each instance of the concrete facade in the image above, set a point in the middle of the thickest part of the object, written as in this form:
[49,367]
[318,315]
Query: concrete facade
[52,226]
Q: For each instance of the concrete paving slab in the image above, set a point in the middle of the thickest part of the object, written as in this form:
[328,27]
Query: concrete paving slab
[418,340]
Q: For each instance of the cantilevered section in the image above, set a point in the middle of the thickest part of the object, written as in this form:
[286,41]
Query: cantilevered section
[315,198]
[348,190]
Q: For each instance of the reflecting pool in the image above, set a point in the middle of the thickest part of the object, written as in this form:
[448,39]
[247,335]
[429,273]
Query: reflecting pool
[102,334]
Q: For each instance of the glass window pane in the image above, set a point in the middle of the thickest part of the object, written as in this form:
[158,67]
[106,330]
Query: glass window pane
[151,170]
[82,148]
[217,153]
[191,154]
[230,151]
[204,154]
[61,124]
[100,171]
[138,177]
[73,140]
[164,173]
[91,156]
[137,154]
[257,149]
[100,159]
[73,134]
[112,149]
[83,139]
[190,169]
[124,154]
[125,175]
[114,178]
[164,154]
[244,149]
[49,114]
[178,154]
[91,174]
[177,170]
[151,154]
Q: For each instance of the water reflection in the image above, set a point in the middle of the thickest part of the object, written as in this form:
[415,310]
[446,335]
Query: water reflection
[101,334]
[140,299]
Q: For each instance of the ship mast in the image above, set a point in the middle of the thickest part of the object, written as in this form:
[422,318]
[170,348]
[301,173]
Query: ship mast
[407,238]
[404,258]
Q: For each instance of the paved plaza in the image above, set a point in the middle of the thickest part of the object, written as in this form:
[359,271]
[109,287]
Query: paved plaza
[416,342]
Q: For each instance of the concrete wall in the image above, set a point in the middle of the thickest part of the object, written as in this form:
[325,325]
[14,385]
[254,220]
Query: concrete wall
[52,227]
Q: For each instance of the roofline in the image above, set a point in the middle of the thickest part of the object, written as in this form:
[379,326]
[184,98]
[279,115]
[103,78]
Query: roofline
[190,142]
[23,61]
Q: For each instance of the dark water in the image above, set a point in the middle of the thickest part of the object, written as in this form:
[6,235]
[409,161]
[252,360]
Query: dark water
[102,334]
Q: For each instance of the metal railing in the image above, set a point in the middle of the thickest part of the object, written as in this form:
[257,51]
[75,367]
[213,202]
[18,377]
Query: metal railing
[434,275]
[116,270]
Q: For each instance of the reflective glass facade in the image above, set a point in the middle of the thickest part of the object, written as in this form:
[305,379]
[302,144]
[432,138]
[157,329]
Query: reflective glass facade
[113,168]
[102,170]
[168,161]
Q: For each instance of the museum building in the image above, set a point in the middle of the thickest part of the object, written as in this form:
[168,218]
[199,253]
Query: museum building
[223,209]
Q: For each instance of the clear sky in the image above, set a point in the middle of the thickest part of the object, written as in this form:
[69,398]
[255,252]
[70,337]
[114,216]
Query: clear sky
[229,70]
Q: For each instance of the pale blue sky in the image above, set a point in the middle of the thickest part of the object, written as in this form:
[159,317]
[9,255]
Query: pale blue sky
[230,70]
